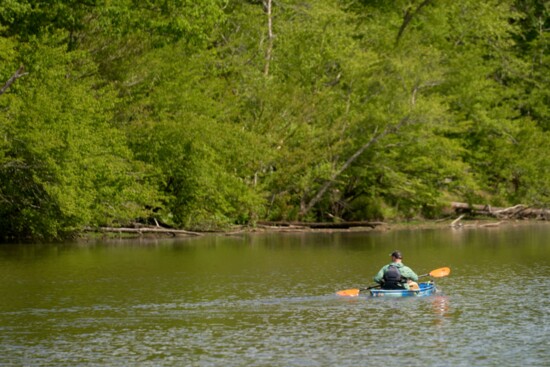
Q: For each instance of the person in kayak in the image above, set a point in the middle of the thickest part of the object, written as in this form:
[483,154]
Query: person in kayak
[396,275]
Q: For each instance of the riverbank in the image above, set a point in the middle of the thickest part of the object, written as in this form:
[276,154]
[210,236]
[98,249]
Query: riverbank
[451,223]
[160,232]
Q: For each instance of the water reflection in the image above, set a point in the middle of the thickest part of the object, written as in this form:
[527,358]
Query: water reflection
[440,308]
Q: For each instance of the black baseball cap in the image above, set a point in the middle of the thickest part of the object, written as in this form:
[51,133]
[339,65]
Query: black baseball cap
[396,254]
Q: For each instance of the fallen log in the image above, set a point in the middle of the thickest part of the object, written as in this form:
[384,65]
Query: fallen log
[496,224]
[143,230]
[519,211]
[322,225]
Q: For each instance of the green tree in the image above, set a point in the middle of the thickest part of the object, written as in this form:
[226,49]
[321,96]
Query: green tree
[205,114]
[183,123]
[67,166]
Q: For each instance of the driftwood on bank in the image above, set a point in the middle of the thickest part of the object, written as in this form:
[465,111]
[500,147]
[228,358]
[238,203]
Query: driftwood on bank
[142,230]
[515,212]
[456,222]
[321,225]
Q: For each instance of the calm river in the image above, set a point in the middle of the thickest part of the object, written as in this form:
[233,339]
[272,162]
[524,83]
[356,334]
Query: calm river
[269,300]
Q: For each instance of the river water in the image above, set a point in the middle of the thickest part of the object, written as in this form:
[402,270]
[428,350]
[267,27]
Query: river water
[269,300]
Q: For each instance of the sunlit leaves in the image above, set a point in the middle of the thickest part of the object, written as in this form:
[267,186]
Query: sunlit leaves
[370,110]
[72,169]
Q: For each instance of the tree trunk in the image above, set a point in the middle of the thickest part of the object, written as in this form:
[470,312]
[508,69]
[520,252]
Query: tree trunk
[269,50]
[389,129]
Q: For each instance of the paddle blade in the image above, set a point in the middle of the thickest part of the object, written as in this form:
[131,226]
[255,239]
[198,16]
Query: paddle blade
[349,293]
[439,273]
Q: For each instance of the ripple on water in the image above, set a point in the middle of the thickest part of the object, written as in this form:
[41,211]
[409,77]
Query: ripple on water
[488,315]
[294,331]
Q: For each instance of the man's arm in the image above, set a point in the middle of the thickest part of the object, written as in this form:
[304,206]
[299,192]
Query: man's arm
[409,274]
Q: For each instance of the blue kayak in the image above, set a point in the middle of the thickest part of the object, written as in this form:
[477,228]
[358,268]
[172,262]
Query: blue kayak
[425,289]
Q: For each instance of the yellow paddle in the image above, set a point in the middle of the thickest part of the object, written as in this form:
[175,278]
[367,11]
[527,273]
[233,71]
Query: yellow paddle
[354,292]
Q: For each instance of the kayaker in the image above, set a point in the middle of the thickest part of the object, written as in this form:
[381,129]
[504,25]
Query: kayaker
[396,275]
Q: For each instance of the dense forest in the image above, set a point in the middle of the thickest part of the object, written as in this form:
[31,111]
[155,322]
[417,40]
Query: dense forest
[204,114]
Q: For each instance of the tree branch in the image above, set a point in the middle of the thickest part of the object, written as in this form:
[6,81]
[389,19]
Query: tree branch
[329,182]
[18,74]
[409,14]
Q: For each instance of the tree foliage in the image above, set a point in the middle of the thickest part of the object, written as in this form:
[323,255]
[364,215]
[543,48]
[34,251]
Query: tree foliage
[207,114]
